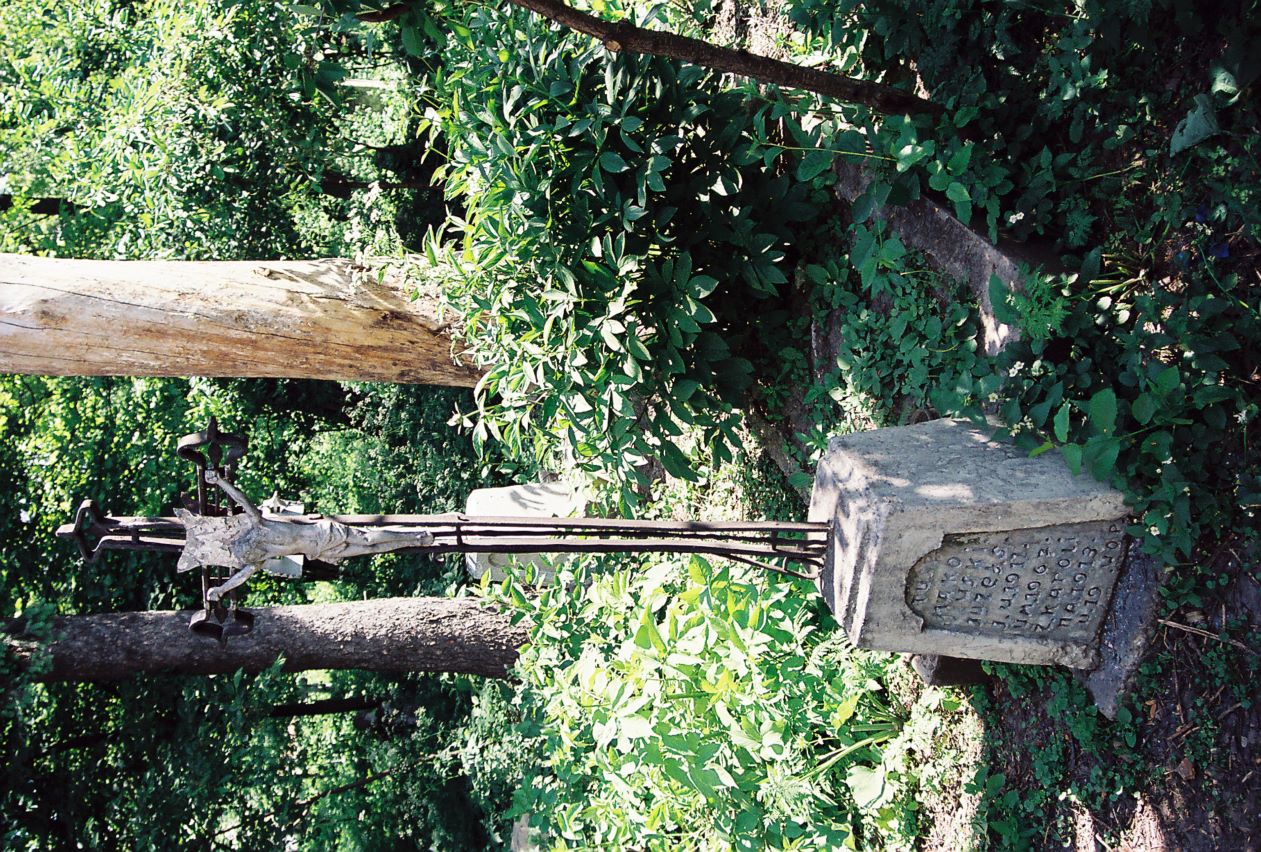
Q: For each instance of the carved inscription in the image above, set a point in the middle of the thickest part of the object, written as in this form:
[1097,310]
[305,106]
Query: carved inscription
[1045,583]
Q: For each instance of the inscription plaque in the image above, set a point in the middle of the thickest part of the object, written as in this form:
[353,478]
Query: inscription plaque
[1044,583]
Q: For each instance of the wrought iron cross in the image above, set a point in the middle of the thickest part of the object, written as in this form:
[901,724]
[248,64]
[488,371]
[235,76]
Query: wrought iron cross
[220,532]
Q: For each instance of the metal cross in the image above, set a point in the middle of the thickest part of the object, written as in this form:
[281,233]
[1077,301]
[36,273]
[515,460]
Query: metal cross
[222,533]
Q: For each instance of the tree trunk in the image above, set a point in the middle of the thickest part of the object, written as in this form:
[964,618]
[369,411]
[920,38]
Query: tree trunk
[389,635]
[327,319]
[626,36]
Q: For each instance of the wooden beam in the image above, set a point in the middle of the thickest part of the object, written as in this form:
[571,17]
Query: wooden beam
[311,319]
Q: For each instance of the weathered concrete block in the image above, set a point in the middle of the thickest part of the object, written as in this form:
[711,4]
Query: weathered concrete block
[539,499]
[1127,631]
[947,542]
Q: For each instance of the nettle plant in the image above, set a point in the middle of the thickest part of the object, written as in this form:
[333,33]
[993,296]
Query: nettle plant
[623,235]
[694,705]
[1152,388]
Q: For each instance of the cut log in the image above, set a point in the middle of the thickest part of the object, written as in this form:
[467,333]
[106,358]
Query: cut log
[314,319]
[389,635]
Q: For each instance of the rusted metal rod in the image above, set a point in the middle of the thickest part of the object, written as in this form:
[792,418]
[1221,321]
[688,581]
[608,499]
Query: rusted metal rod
[454,533]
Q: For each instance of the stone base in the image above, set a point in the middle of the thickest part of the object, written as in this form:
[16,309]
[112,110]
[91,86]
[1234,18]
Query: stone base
[947,542]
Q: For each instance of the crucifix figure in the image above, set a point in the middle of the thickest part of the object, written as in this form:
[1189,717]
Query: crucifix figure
[246,541]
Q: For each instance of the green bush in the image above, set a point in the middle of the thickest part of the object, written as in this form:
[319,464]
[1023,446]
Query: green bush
[691,705]
[626,229]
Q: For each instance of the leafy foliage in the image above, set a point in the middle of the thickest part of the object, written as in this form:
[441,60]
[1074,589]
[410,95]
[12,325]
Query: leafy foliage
[147,121]
[198,760]
[623,233]
[690,705]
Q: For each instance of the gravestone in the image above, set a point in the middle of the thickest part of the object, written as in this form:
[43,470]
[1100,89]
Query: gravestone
[946,542]
[535,500]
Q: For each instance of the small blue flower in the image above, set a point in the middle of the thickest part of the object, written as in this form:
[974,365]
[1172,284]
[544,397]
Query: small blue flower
[1181,257]
[1219,251]
[1201,213]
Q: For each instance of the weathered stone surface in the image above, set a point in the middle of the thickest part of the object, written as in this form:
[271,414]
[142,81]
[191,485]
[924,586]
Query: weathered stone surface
[1047,582]
[538,499]
[1127,631]
[947,542]
[954,248]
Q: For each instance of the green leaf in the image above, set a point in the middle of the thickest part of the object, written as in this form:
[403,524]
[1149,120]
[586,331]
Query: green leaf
[1102,411]
[684,388]
[1090,266]
[609,332]
[702,285]
[844,710]
[412,42]
[957,193]
[675,463]
[636,727]
[637,348]
[910,154]
[1061,423]
[1072,456]
[1000,301]
[813,164]
[1200,123]
[867,786]
[1143,408]
[959,162]
[1168,379]
[1100,455]
[632,368]
[938,178]
[612,162]
[800,479]
[648,636]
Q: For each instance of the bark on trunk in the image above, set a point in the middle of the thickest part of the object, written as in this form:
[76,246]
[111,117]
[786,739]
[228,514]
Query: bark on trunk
[327,319]
[389,635]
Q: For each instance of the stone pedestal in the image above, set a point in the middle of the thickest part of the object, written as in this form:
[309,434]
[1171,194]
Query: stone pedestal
[946,542]
[539,499]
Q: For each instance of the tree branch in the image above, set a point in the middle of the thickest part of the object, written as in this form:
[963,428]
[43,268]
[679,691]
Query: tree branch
[627,37]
